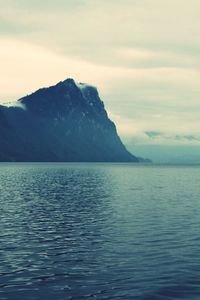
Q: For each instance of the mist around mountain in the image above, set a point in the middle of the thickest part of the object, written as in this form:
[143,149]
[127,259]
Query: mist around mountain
[63,123]
[168,154]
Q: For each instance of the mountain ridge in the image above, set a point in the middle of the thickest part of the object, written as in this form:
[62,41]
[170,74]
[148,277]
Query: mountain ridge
[63,122]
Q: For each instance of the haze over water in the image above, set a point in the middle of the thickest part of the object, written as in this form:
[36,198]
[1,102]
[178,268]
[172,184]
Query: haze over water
[99,231]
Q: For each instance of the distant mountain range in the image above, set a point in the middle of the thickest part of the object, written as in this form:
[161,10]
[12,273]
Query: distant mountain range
[63,123]
[167,154]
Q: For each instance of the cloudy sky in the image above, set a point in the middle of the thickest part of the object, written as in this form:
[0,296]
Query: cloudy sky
[143,55]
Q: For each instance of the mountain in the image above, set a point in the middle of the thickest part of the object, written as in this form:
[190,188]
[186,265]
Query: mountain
[66,122]
[168,154]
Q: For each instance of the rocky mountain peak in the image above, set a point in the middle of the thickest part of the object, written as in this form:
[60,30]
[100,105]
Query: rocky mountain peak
[64,122]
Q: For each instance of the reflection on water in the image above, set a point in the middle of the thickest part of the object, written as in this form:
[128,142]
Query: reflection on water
[102,231]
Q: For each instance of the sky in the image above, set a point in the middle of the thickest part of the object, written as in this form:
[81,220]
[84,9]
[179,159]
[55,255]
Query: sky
[142,55]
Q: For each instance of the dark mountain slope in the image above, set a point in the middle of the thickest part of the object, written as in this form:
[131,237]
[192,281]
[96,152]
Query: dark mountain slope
[65,122]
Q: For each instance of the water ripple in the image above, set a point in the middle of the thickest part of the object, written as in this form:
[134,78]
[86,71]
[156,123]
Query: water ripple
[99,231]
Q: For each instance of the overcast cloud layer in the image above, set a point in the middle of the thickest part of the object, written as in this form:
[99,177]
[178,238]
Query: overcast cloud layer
[143,55]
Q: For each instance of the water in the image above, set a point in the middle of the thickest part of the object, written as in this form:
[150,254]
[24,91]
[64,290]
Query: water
[99,231]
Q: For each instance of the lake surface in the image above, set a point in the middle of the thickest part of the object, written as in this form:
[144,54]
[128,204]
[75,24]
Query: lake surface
[99,231]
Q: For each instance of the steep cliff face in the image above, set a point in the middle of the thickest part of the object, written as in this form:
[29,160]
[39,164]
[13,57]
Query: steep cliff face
[65,122]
